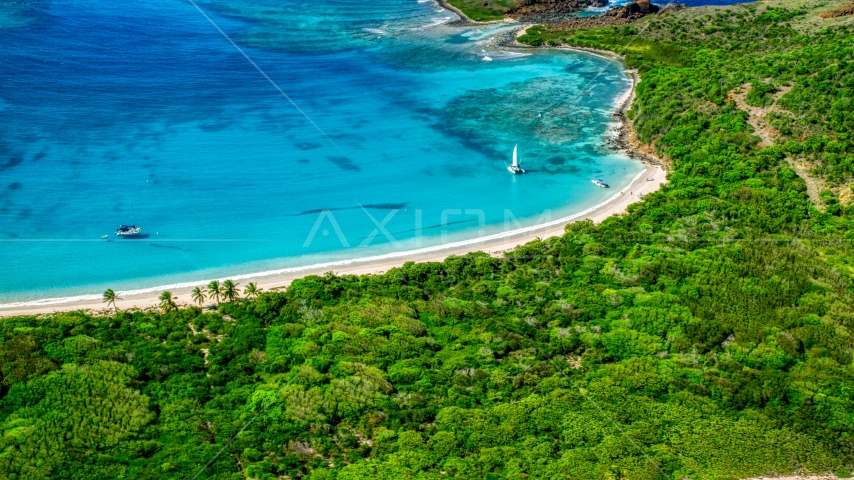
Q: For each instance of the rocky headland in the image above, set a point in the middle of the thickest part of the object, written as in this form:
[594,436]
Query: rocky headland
[616,16]
[564,13]
[551,11]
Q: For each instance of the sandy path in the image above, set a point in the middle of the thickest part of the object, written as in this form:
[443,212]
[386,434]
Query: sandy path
[494,246]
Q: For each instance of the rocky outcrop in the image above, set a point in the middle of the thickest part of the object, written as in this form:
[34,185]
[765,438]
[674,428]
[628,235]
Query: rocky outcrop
[617,15]
[551,11]
[562,13]
[671,7]
[839,12]
[633,11]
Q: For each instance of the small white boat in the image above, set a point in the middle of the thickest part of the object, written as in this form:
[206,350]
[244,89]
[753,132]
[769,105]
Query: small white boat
[600,183]
[515,168]
[487,58]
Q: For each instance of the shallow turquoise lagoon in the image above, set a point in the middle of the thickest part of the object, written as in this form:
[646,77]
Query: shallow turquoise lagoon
[117,112]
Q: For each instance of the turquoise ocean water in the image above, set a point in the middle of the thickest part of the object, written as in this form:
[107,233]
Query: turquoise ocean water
[120,112]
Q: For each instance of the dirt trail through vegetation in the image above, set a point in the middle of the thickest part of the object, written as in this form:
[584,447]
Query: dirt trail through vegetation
[757,117]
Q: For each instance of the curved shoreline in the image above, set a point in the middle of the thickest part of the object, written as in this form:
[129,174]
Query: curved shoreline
[495,244]
[465,20]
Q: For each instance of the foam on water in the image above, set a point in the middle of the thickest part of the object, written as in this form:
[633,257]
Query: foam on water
[109,106]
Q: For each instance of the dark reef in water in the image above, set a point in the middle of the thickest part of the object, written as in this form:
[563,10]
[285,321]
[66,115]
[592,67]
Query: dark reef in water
[343,162]
[372,206]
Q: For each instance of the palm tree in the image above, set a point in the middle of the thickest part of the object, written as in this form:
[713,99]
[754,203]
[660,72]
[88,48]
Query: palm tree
[252,290]
[167,302]
[198,296]
[110,297]
[215,290]
[229,290]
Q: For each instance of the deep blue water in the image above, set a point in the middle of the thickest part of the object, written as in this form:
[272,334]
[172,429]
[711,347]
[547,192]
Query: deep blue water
[120,112]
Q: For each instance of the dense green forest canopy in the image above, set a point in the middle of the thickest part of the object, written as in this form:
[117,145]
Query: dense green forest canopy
[706,334]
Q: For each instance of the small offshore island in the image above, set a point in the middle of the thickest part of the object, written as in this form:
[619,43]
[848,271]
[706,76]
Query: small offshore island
[705,333]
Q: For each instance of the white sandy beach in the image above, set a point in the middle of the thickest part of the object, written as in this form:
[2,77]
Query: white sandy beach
[493,244]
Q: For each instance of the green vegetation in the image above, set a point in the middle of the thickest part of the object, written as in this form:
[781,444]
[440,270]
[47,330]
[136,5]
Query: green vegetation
[484,11]
[706,335]
[691,60]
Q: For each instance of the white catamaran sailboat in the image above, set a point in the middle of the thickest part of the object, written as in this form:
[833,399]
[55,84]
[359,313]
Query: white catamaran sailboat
[515,168]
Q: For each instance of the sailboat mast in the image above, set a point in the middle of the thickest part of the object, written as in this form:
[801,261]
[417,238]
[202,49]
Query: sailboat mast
[515,161]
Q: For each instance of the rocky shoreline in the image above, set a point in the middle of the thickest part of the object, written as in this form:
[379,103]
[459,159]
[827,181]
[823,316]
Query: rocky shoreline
[551,11]
[622,138]
[625,140]
[616,16]
[562,13]
[464,20]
